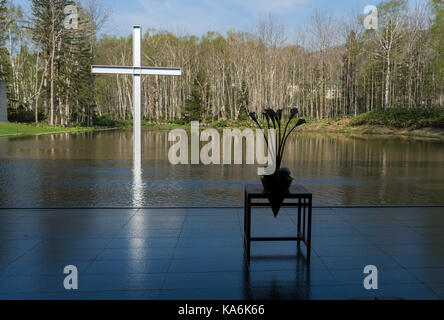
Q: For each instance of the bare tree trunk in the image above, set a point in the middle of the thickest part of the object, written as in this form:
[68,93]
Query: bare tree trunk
[387,84]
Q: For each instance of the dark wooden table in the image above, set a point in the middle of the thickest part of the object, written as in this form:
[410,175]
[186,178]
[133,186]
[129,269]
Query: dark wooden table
[299,197]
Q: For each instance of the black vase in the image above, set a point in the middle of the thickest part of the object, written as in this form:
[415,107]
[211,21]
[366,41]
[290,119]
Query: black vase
[277,185]
[279,182]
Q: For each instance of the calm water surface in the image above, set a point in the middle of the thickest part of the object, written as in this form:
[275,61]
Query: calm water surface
[96,170]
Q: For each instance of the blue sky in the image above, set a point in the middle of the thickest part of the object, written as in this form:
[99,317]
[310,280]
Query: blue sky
[198,16]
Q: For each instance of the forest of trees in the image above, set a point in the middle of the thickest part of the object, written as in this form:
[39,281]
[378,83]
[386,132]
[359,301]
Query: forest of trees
[328,68]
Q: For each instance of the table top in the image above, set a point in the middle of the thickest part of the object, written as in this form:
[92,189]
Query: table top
[257,190]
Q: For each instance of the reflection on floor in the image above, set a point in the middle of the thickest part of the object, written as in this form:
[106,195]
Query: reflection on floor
[198,254]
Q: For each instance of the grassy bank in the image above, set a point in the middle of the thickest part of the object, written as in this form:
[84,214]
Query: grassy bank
[419,122]
[401,118]
[416,122]
[10,129]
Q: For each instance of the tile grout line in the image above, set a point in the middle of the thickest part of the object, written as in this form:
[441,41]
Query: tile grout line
[172,256]
[109,242]
[7,277]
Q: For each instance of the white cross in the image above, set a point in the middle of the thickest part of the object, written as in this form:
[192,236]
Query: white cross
[137,71]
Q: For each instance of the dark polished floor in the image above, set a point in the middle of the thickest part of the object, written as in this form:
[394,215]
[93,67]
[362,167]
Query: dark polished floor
[198,254]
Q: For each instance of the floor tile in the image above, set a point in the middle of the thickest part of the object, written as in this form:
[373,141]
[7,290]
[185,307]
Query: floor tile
[121,282]
[136,243]
[123,267]
[348,251]
[338,241]
[207,265]
[206,253]
[385,277]
[322,293]
[346,263]
[438,289]
[42,267]
[407,250]
[293,277]
[428,275]
[211,280]
[285,264]
[279,293]
[17,245]
[400,291]
[60,254]
[136,254]
[420,261]
[152,233]
[32,284]
[229,294]
[210,242]
[69,244]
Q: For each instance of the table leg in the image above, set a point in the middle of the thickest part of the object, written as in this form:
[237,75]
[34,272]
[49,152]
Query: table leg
[299,222]
[245,215]
[248,229]
[304,220]
[310,214]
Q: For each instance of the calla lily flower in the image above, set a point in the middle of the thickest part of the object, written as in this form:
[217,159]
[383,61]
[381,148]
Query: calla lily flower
[293,113]
[275,118]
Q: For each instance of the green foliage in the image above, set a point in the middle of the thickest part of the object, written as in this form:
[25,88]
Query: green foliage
[243,102]
[391,8]
[68,58]
[221,124]
[171,125]
[402,118]
[437,31]
[21,115]
[106,120]
[178,122]
[4,22]
[193,110]
[5,68]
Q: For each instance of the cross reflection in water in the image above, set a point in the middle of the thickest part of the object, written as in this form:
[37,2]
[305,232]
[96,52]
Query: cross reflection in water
[138,199]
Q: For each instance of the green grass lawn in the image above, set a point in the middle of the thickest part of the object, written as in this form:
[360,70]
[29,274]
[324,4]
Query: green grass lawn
[7,128]
[403,118]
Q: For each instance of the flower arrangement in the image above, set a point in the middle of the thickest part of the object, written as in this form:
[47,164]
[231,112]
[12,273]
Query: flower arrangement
[281,180]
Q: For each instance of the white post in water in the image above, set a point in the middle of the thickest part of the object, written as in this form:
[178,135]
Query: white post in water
[137,71]
[137,94]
